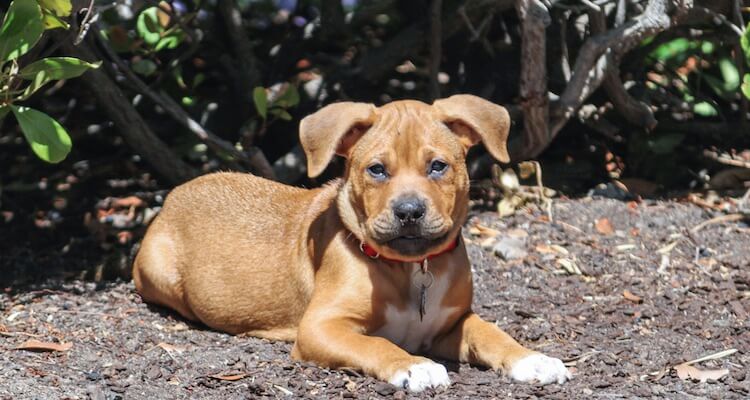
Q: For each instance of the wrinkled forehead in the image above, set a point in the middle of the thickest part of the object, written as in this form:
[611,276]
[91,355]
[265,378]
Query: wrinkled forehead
[407,127]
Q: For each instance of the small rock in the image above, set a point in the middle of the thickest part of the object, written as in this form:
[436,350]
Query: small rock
[510,248]
[95,392]
[93,375]
[384,389]
[399,395]
[153,373]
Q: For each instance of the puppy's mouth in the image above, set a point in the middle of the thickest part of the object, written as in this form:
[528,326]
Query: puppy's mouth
[411,245]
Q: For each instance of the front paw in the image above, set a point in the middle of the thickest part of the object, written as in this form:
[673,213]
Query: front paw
[540,368]
[421,376]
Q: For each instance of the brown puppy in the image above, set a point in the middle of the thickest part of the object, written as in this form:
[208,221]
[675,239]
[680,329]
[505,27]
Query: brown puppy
[364,272]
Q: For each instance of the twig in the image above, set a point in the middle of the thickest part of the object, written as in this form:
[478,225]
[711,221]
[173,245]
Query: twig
[725,159]
[12,334]
[98,314]
[714,356]
[85,23]
[717,220]
[436,46]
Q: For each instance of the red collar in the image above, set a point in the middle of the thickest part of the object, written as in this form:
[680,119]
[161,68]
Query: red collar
[372,253]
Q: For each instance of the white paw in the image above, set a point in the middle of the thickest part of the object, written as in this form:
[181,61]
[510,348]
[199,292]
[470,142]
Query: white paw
[421,376]
[540,368]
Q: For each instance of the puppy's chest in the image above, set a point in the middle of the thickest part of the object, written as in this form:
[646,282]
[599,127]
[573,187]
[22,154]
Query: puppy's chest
[403,325]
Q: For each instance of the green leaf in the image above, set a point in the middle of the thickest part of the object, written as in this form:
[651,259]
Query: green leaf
[144,67]
[21,30]
[47,138]
[672,48]
[745,87]
[199,78]
[49,69]
[729,73]
[169,42]
[261,101]
[57,68]
[745,43]
[148,26]
[52,21]
[289,98]
[705,109]
[61,8]
[664,144]
[3,112]
[281,113]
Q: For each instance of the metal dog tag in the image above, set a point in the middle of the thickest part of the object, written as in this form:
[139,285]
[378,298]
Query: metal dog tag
[423,279]
[422,301]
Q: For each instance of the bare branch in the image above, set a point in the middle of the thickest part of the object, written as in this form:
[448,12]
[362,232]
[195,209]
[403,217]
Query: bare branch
[634,111]
[436,46]
[134,130]
[533,87]
[382,60]
[247,69]
[255,159]
[592,62]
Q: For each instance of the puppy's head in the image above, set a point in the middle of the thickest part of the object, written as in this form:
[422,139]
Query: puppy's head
[406,187]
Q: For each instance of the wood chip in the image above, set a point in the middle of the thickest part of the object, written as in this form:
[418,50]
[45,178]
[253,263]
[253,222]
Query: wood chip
[603,226]
[630,296]
[686,371]
[230,378]
[36,345]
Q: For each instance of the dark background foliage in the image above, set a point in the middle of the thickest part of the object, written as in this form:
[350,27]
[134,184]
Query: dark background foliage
[187,87]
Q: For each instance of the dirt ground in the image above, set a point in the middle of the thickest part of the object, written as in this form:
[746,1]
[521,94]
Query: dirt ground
[599,295]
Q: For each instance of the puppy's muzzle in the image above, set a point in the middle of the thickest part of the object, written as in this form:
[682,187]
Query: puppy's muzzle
[410,229]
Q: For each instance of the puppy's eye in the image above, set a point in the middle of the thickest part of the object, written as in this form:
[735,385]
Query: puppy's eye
[437,168]
[377,171]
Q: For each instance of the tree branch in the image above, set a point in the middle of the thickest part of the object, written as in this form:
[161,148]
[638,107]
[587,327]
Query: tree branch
[382,60]
[592,62]
[533,87]
[634,111]
[247,68]
[133,129]
[436,46]
[254,159]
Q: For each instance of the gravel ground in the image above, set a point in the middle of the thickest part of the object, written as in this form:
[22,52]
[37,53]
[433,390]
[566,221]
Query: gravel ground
[598,295]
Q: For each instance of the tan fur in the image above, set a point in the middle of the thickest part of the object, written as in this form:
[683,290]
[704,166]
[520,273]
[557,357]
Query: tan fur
[246,255]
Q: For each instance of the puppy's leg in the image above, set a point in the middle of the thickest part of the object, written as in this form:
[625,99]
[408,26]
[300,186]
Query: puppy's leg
[155,272]
[479,342]
[338,344]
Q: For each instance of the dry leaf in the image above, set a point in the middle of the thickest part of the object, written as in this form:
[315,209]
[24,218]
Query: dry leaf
[170,348]
[526,169]
[603,226]
[35,345]
[127,202]
[552,249]
[481,230]
[569,266]
[231,378]
[630,296]
[685,372]
[162,13]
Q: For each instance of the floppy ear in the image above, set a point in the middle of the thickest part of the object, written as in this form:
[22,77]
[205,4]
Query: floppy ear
[475,119]
[334,129]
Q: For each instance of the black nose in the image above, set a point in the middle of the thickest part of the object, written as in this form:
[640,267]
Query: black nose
[409,210]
